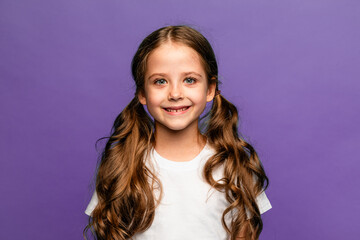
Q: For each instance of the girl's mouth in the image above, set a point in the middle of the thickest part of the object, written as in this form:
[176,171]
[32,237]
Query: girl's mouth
[176,109]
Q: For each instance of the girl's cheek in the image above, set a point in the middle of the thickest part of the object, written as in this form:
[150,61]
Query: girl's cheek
[155,98]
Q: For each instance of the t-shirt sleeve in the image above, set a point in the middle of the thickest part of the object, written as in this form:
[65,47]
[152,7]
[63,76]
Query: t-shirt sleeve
[92,204]
[263,204]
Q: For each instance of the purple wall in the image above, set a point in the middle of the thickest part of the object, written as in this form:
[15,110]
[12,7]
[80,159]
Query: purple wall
[291,67]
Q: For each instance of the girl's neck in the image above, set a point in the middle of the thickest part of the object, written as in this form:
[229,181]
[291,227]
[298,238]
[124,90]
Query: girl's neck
[179,146]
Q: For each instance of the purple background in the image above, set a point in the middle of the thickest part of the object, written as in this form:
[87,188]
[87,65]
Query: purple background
[291,68]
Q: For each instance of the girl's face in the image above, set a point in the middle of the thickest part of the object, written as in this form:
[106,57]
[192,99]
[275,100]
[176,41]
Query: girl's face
[176,87]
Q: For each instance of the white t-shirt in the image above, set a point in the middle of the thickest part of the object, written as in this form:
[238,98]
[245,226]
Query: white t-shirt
[190,208]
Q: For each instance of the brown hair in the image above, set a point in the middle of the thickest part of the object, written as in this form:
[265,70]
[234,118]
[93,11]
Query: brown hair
[124,184]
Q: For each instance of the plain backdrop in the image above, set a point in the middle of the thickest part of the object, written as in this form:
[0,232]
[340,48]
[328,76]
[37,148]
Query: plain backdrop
[291,68]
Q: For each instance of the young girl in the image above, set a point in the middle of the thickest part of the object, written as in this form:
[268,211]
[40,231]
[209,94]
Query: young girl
[161,177]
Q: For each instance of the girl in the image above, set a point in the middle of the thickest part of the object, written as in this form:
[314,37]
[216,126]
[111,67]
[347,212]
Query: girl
[162,178]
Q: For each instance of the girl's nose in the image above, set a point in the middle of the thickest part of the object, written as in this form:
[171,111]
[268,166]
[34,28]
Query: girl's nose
[175,92]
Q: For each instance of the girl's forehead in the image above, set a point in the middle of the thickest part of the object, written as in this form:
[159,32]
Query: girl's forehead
[174,47]
[174,56]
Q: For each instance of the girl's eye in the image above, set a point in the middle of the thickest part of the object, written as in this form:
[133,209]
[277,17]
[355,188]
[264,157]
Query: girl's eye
[190,80]
[160,81]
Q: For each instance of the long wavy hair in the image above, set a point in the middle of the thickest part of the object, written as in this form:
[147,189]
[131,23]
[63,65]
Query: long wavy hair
[125,184]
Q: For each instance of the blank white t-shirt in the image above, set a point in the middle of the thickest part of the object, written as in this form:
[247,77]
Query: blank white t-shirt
[190,208]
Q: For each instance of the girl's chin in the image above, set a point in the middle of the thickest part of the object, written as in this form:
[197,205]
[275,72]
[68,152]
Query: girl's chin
[175,126]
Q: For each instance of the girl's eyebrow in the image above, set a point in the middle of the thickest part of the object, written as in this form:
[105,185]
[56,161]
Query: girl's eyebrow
[188,73]
[185,73]
[159,74]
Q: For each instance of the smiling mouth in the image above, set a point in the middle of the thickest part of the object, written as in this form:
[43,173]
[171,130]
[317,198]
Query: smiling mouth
[176,109]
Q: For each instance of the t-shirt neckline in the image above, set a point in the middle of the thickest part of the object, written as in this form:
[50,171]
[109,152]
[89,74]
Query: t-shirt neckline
[179,166]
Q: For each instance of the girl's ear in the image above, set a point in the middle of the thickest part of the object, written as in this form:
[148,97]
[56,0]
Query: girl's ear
[141,97]
[211,92]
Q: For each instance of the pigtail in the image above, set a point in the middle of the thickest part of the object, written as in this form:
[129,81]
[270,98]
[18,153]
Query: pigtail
[241,167]
[126,203]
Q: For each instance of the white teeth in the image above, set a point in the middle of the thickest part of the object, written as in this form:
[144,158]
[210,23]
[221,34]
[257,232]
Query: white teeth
[176,110]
